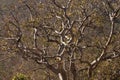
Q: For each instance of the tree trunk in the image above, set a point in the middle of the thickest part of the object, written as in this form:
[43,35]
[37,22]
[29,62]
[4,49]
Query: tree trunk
[63,76]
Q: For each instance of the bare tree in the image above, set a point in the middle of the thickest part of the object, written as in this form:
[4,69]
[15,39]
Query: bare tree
[70,38]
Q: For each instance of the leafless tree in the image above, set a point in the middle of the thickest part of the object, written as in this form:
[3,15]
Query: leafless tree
[63,34]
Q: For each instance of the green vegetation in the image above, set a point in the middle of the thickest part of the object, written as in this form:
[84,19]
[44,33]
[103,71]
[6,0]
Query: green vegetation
[20,76]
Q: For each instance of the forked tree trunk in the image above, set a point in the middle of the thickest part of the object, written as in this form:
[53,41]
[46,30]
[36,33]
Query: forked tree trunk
[62,72]
[62,76]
